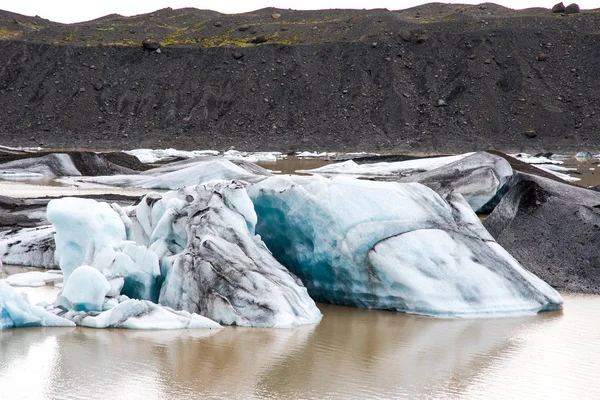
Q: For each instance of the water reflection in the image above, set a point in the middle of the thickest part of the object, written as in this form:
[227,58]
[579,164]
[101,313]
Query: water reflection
[350,354]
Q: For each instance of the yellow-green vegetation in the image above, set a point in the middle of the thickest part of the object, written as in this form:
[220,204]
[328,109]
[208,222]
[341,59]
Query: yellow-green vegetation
[175,38]
[327,20]
[277,39]
[222,41]
[198,25]
[6,34]
[124,42]
[67,38]
[30,25]
[108,28]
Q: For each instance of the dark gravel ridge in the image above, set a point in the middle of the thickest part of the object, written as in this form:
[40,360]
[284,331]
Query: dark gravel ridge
[432,79]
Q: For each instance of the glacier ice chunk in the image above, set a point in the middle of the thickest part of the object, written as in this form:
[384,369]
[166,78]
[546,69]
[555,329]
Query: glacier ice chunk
[33,278]
[33,247]
[212,262]
[482,179]
[85,290]
[193,249]
[17,312]
[84,227]
[396,246]
[188,172]
[385,168]
[94,234]
[142,314]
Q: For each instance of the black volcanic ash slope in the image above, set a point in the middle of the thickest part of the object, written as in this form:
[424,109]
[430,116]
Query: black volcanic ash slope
[437,78]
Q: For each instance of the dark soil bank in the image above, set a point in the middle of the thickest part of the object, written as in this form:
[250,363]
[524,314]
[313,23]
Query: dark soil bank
[437,78]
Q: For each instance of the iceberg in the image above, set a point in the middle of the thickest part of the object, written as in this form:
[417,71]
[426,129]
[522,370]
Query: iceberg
[481,178]
[33,278]
[141,314]
[385,168]
[61,164]
[225,272]
[17,312]
[194,171]
[33,247]
[193,249]
[395,246]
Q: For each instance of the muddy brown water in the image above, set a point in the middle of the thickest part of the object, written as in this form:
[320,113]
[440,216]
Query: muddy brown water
[587,170]
[351,354]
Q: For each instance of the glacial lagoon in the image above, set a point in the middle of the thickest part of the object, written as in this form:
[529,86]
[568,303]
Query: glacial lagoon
[351,353]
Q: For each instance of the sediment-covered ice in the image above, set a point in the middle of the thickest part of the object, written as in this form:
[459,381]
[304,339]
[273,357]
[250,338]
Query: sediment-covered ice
[385,168]
[196,246]
[188,172]
[481,178]
[17,312]
[553,229]
[61,164]
[392,246]
[225,272]
[33,247]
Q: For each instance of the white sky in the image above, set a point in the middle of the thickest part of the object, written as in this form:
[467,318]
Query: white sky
[83,10]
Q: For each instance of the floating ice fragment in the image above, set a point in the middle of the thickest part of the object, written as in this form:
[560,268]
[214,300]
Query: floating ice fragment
[392,246]
[33,278]
[385,168]
[153,156]
[17,312]
[529,159]
[185,173]
[142,314]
